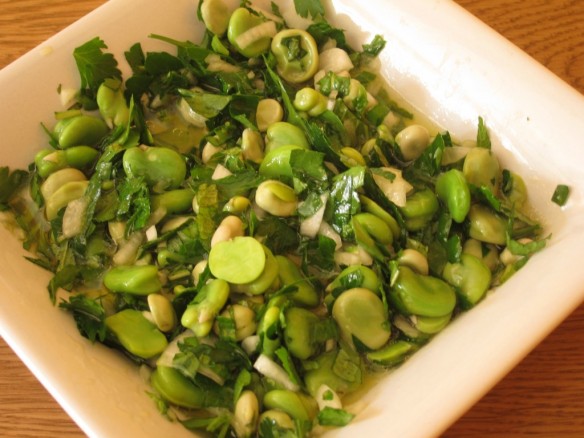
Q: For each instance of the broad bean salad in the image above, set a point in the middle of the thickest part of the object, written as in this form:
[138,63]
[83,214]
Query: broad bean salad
[257,223]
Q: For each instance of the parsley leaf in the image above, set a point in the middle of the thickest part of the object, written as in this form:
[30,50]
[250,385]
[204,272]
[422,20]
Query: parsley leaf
[304,8]
[134,202]
[375,47]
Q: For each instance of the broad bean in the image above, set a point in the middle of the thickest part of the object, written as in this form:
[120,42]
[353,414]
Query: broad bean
[452,189]
[299,406]
[290,275]
[470,277]
[296,55]
[276,198]
[162,168]
[481,168]
[80,130]
[133,279]
[419,209]
[412,141]
[486,225]
[360,314]
[176,388]
[414,294]
[200,314]
[136,334]
[48,161]
[284,134]
[250,34]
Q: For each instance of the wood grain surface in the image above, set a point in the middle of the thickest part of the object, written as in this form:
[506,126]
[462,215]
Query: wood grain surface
[542,397]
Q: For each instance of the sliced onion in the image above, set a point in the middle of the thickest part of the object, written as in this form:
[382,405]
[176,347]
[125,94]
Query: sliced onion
[272,370]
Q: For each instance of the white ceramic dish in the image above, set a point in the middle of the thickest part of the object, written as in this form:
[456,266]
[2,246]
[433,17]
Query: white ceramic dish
[535,123]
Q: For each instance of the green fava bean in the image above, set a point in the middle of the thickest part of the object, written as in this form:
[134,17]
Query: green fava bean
[514,189]
[431,325]
[276,164]
[393,354]
[176,388]
[284,134]
[471,279]
[136,279]
[414,294]
[174,201]
[61,197]
[112,103]
[372,207]
[481,168]
[290,275]
[419,209]
[341,370]
[250,34]
[200,314]
[264,281]
[452,189]
[80,130]
[299,406]
[56,180]
[268,330]
[372,233]
[49,161]
[296,55]
[215,14]
[136,334]
[355,276]
[162,168]
[239,260]
[310,101]
[360,314]
[304,332]
[277,419]
[486,226]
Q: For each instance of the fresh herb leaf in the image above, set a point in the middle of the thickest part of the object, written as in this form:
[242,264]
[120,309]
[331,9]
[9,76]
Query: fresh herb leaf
[483,139]
[322,31]
[319,253]
[561,194]
[344,200]
[306,8]
[375,47]
[308,169]
[286,360]
[134,204]
[334,417]
[277,235]
[525,249]
[207,105]
[89,314]
[10,183]
[94,65]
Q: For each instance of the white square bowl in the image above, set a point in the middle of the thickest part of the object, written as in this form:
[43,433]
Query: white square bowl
[535,123]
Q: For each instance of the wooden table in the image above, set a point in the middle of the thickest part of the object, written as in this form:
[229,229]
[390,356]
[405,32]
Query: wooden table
[542,397]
